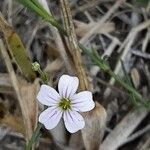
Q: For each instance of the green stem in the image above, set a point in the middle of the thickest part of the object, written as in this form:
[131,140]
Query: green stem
[36,134]
[105,67]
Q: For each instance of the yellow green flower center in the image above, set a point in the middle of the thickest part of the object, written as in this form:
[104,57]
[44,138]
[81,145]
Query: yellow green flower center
[65,103]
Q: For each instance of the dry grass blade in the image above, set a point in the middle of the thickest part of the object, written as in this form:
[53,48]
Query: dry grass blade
[73,45]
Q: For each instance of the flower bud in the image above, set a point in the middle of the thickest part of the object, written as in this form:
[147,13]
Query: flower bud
[35,66]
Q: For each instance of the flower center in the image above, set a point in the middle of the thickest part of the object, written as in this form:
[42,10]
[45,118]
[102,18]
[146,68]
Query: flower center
[65,103]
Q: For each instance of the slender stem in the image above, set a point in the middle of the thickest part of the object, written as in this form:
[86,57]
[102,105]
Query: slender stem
[36,134]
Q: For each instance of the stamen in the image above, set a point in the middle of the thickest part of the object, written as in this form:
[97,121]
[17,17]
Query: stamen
[65,104]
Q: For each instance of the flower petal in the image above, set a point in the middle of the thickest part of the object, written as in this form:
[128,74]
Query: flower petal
[82,101]
[48,96]
[50,117]
[73,121]
[67,85]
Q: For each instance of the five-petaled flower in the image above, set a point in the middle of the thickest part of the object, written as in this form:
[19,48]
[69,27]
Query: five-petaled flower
[64,104]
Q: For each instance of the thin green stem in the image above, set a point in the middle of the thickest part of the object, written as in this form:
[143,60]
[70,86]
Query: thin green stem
[36,134]
[34,5]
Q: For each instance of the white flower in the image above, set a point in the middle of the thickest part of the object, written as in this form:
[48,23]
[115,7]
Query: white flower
[65,104]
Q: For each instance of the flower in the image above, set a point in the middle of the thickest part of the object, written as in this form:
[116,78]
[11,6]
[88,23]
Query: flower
[67,104]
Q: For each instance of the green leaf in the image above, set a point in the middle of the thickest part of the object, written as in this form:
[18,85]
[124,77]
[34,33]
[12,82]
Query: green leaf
[16,49]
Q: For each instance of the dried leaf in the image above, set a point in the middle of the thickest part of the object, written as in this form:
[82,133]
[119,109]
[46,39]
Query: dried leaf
[135,76]
[30,106]
[93,131]
[16,49]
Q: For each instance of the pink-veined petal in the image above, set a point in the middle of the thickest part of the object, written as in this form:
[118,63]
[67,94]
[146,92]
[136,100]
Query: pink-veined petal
[67,85]
[73,121]
[48,96]
[82,101]
[50,117]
